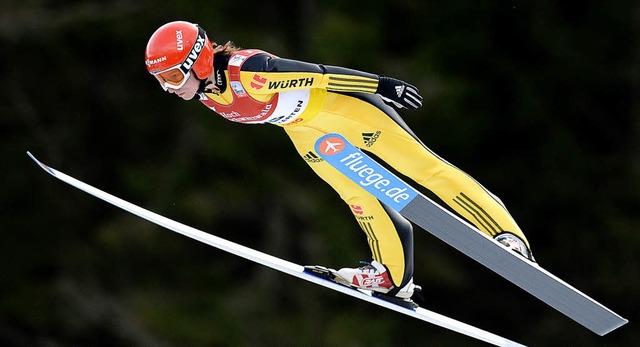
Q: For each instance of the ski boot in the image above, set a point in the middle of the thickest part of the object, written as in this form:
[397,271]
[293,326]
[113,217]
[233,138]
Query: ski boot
[375,277]
[515,244]
[372,277]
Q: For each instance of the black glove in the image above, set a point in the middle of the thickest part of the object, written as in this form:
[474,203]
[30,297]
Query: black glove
[400,94]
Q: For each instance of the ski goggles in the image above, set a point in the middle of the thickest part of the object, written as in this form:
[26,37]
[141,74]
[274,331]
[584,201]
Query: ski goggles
[174,77]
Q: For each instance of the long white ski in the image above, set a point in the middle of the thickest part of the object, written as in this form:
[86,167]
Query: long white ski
[419,209]
[277,263]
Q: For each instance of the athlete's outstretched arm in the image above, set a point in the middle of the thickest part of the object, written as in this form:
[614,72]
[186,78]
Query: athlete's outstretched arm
[286,74]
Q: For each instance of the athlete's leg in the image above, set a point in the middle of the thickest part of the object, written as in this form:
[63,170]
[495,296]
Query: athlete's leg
[389,235]
[374,126]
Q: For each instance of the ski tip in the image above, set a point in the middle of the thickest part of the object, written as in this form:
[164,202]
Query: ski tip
[43,166]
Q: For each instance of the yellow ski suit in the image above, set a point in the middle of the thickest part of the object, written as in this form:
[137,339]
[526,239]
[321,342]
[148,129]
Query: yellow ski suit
[310,100]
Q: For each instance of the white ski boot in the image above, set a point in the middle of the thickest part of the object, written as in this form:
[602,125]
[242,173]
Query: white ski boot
[515,244]
[375,277]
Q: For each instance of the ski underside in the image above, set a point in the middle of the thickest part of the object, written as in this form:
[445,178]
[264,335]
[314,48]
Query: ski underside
[314,274]
[451,229]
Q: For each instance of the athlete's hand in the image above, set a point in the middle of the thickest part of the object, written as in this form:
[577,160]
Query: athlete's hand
[400,94]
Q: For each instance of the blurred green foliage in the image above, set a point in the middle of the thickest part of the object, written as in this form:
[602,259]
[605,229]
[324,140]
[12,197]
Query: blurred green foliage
[537,100]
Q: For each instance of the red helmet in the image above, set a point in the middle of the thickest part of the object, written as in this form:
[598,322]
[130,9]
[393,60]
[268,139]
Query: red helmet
[176,49]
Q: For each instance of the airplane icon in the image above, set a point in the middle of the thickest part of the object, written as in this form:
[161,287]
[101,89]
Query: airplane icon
[332,146]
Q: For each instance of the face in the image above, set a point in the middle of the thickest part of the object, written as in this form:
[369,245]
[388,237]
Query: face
[188,90]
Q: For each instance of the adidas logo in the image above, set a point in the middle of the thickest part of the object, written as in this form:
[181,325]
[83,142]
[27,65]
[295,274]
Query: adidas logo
[312,158]
[370,138]
[399,90]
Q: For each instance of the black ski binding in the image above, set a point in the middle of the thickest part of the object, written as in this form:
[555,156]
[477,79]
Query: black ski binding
[406,303]
[321,271]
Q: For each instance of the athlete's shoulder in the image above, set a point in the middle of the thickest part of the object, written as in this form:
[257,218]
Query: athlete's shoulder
[254,60]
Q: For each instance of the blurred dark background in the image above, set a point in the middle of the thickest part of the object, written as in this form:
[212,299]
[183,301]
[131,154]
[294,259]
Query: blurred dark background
[537,100]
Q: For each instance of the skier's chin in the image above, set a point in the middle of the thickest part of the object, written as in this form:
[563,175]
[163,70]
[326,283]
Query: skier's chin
[186,95]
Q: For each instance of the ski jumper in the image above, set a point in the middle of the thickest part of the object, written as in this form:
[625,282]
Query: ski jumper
[310,100]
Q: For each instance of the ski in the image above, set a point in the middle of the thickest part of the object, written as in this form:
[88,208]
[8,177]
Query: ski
[279,264]
[456,232]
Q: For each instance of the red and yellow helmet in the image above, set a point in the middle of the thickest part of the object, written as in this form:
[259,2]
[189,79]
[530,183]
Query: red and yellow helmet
[176,49]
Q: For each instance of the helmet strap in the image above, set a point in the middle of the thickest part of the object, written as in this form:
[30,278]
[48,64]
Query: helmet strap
[202,88]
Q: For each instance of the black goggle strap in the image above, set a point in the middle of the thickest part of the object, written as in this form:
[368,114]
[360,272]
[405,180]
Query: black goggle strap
[194,54]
